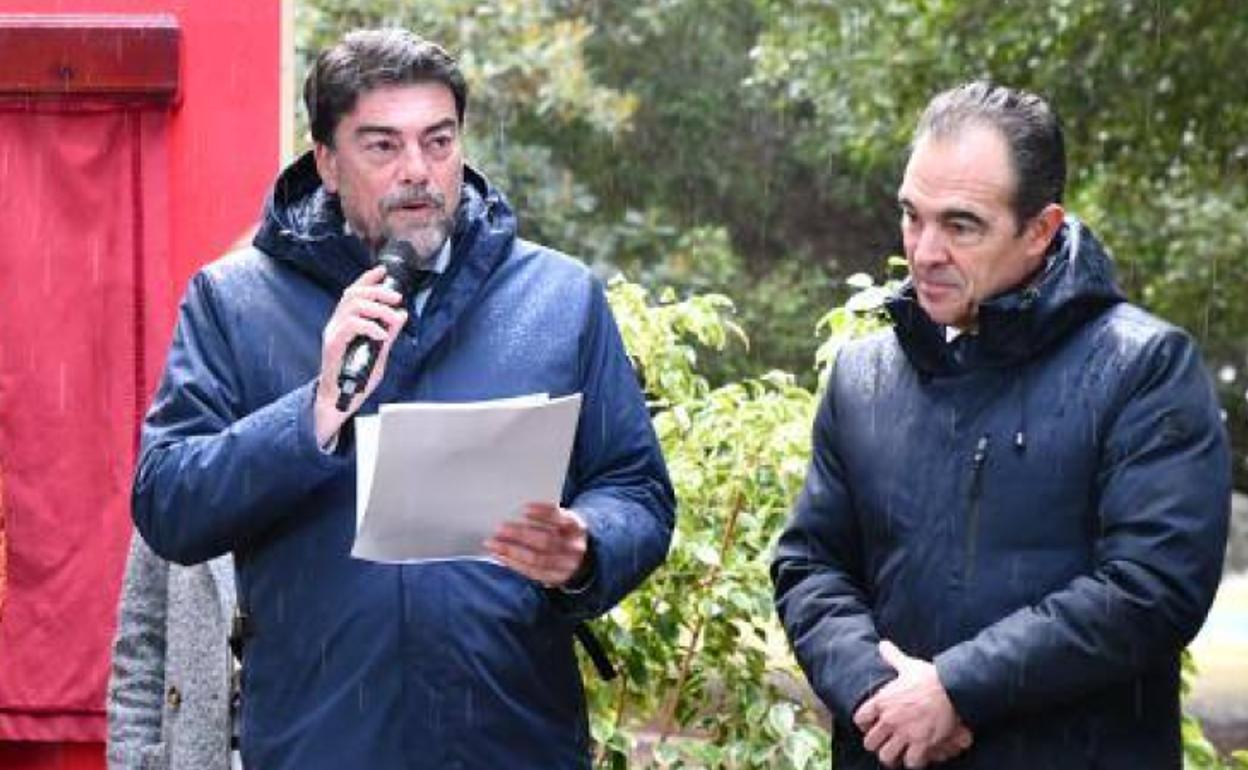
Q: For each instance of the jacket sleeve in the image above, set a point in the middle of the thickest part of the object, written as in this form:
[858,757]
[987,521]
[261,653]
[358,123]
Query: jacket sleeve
[618,480]
[210,472]
[819,582]
[1164,491]
[137,679]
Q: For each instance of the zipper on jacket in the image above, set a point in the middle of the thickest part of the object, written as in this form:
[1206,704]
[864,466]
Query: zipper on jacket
[972,520]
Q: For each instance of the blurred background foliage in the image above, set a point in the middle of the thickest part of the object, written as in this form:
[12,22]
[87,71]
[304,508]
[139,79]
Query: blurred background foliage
[738,161]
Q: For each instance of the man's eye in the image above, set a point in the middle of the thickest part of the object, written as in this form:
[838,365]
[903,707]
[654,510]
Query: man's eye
[965,233]
[381,146]
[439,145]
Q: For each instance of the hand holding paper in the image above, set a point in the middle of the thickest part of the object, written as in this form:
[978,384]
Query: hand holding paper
[547,545]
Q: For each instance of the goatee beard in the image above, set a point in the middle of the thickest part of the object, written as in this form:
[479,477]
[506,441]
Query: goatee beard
[427,242]
[426,239]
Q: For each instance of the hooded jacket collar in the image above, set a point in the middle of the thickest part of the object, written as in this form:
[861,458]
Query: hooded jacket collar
[1017,326]
[304,227]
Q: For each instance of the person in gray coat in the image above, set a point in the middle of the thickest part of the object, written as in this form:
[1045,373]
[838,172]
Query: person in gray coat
[169,690]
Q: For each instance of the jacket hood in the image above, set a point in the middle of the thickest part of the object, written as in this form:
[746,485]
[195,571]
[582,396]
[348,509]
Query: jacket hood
[1015,327]
[304,226]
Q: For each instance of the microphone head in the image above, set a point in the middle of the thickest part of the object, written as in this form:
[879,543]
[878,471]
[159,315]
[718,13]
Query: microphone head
[398,256]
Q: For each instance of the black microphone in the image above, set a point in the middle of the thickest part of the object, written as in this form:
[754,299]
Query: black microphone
[361,355]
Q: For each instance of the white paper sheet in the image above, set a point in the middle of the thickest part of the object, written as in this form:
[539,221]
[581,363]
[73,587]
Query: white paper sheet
[435,480]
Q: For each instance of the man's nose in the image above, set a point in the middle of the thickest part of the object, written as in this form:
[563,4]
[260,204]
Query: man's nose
[414,167]
[929,246]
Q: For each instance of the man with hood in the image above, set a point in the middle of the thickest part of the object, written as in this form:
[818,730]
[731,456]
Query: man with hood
[348,663]
[1016,509]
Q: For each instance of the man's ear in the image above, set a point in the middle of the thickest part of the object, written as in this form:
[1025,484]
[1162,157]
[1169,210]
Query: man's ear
[1042,227]
[326,165]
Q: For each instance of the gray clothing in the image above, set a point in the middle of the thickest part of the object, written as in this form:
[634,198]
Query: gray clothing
[169,689]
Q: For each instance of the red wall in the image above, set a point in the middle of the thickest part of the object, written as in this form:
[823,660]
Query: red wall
[224,142]
[223,152]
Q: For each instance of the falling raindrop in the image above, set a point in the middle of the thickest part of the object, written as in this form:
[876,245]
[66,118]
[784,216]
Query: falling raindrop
[62,396]
[95,248]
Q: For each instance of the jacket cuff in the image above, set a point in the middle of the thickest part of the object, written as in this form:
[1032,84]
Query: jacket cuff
[587,574]
[582,600]
[969,682]
[846,691]
[340,451]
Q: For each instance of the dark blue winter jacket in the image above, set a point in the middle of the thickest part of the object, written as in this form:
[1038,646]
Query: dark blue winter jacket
[352,664]
[1039,508]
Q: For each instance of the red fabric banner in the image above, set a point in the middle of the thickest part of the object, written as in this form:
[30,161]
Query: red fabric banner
[4,553]
[85,308]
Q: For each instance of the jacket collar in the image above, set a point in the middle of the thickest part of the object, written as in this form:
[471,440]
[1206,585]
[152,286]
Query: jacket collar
[1015,327]
[304,227]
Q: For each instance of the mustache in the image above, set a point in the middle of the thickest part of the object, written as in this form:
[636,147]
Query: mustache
[412,197]
[942,276]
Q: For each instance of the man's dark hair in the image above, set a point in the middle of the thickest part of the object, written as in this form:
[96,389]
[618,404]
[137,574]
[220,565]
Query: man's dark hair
[1031,130]
[373,58]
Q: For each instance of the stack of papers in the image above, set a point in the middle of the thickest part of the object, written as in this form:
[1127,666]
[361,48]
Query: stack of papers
[435,480]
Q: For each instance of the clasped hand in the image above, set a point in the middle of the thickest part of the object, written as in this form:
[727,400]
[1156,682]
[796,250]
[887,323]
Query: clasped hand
[910,721]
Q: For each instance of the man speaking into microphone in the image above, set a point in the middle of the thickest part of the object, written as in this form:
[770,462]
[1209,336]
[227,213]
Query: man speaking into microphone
[248,446]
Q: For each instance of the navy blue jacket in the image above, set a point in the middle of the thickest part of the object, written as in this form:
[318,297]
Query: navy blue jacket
[1040,509]
[355,664]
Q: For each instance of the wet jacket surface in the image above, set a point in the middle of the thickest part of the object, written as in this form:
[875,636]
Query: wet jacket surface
[1039,508]
[349,663]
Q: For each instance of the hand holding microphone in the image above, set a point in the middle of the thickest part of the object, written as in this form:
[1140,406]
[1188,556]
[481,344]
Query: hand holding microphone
[357,339]
[361,354]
